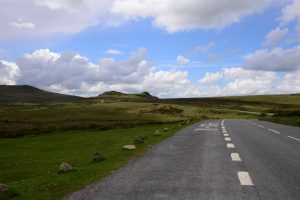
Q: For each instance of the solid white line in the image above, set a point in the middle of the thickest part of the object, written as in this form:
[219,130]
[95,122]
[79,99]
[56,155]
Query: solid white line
[294,138]
[273,131]
[244,178]
[235,157]
[230,146]
[226,135]
[227,139]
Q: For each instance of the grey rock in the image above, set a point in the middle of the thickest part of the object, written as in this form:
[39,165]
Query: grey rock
[3,187]
[129,147]
[157,133]
[65,167]
[97,157]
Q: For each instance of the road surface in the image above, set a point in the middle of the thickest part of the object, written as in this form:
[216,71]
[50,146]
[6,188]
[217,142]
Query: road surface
[213,159]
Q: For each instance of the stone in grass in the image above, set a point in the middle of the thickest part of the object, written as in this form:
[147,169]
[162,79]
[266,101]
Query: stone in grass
[3,187]
[138,141]
[129,147]
[64,168]
[157,133]
[166,129]
[97,157]
[144,137]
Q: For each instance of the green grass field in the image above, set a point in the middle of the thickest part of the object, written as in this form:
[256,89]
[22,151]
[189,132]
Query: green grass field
[29,164]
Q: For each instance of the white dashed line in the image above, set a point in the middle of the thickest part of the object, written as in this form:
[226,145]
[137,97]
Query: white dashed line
[235,157]
[260,126]
[273,131]
[205,129]
[230,146]
[224,131]
[294,138]
[244,178]
[227,139]
[226,135]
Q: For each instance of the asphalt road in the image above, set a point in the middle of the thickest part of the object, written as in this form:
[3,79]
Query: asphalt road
[214,159]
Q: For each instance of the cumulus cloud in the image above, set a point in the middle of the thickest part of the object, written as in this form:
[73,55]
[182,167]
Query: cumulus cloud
[69,71]
[291,13]
[275,36]
[189,14]
[8,73]
[23,25]
[182,60]
[275,60]
[290,83]
[49,16]
[211,77]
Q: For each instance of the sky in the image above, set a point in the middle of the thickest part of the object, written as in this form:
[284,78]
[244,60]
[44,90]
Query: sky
[187,48]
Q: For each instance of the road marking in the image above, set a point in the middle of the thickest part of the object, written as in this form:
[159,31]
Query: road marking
[230,146]
[260,126]
[294,138]
[226,135]
[224,131]
[273,131]
[228,139]
[244,178]
[235,157]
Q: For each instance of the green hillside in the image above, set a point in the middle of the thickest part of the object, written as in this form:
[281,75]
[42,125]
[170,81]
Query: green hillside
[20,94]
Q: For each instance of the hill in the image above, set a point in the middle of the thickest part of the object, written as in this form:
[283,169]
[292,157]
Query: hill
[119,96]
[20,94]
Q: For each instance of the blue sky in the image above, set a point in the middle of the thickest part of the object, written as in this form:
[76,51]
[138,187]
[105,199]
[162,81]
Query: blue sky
[195,48]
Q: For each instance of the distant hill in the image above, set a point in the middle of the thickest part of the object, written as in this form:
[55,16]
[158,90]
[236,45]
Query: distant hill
[20,94]
[120,96]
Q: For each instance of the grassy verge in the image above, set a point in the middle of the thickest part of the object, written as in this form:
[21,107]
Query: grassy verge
[29,164]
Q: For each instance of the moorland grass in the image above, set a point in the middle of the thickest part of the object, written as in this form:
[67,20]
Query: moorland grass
[29,164]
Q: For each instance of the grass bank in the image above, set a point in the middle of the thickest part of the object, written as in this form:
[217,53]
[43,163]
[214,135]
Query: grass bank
[29,164]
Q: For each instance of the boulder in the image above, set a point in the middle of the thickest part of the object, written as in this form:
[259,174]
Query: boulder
[97,157]
[64,168]
[138,141]
[129,147]
[3,187]
[157,133]
[145,137]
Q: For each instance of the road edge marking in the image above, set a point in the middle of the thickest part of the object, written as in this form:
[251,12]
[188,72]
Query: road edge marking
[293,138]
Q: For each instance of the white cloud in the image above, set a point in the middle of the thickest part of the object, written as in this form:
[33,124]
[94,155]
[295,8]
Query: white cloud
[113,52]
[8,73]
[189,14]
[275,60]
[204,48]
[275,36]
[23,25]
[247,82]
[211,77]
[71,72]
[291,13]
[182,60]
[290,83]
[167,83]
[48,17]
